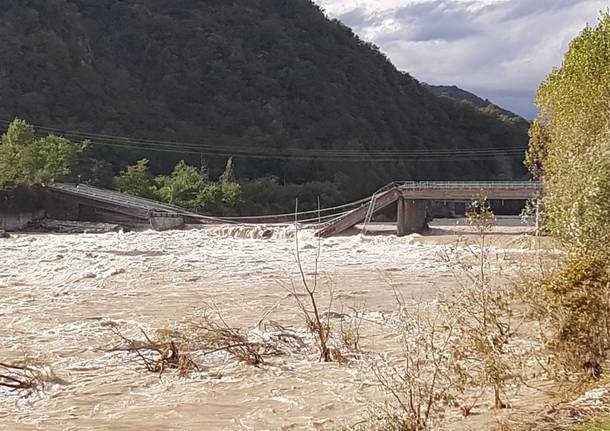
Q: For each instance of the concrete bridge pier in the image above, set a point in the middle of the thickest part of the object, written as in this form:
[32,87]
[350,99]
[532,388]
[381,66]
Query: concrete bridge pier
[411,217]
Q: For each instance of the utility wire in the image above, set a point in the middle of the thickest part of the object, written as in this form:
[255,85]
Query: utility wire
[286,153]
[115,138]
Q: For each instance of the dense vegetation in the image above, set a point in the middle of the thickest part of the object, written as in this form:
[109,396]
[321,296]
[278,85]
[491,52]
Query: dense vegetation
[26,159]
[570,151]
[274,83]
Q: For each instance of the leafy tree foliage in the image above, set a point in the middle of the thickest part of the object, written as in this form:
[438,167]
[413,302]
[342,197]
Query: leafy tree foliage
[228,176]
[572,303]
[570,150]
[535,157]
[136,180]
[26,159]
[187,187]
[183,186]
[573,137]
[262,74]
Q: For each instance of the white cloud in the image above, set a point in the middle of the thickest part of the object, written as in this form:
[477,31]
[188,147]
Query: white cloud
[499,49]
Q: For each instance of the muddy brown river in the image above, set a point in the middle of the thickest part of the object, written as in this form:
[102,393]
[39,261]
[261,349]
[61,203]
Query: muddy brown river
[59,293]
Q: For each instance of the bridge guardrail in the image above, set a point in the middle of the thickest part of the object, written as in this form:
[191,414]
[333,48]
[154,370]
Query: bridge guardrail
[460,185]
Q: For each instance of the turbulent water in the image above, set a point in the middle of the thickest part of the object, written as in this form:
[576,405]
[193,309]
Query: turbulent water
[59,293]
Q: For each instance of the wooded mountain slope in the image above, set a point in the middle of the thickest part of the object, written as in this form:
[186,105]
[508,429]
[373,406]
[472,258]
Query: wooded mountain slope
[237,77]
[462,96]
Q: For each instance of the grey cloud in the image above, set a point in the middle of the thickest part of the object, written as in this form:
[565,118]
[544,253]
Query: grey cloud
[501,49]
[436,20]
[522,9]
[436,8]
[358,18]
[442,20]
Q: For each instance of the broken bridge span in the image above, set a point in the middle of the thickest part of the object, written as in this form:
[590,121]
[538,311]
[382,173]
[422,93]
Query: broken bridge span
[409,197]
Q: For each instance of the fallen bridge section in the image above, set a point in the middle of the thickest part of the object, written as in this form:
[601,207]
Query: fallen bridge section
[87,203]
[358,215]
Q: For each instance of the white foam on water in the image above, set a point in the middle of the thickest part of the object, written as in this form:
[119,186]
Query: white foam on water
[57,293]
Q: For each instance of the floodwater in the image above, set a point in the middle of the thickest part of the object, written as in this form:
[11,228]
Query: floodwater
[58,293]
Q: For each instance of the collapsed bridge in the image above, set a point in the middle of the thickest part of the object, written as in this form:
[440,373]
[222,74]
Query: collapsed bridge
[89,203]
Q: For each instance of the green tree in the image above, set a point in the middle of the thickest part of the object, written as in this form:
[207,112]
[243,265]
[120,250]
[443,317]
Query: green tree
[231,194]
[570,150]
[228,176]
[136,180]
[183,186]
[209,198]
[536,152]
[573,137]
[26,159]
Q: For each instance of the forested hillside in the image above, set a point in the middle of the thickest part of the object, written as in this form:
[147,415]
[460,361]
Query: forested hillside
[462,96]
[275,83]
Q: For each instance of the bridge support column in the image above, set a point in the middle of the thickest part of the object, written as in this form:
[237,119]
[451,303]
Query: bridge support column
[411,216]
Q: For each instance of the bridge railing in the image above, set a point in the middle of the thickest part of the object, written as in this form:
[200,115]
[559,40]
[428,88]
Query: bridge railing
[113,197]
[470,185]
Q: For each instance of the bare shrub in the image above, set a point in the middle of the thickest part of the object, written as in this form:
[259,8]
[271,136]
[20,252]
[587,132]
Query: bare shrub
[484,354]
[211,333]
[310,308]
[419,383]
[17,377]
[349,331]
[157,354]
[180,348]
[572,303]
[337,334]
[27,376]
[455,349]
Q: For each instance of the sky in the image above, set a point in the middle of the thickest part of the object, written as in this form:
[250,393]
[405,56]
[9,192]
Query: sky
[498,49]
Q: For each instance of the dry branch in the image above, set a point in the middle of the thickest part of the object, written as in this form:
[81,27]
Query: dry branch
[561,417]
[156,355]
[201,336]
[24,378]
[214,334]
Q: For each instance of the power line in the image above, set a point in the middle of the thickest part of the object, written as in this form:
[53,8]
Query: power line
[285,153]
[363,158]
[105,137]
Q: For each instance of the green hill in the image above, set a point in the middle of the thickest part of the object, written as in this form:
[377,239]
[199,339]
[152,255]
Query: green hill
[462,96]
[251,78]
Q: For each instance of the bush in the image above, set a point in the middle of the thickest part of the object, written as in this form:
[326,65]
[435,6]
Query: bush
[186,187]
[182,187]
[136,180]
[573,306]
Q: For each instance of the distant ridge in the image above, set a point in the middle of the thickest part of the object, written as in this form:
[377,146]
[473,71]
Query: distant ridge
[459,95]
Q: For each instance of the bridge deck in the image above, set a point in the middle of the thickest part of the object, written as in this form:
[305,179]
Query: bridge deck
[328,220]
[438,190]
[470,190]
